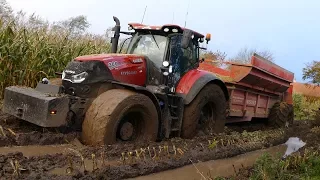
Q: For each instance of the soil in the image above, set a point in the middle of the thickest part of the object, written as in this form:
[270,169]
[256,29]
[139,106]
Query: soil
[37,162]
[21,133]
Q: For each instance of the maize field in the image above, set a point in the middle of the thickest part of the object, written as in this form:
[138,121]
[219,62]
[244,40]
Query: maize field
[28,54]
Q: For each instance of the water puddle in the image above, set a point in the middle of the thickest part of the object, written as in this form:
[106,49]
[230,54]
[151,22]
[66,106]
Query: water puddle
[39,150]
[36,150]
[221,167]
[90,166]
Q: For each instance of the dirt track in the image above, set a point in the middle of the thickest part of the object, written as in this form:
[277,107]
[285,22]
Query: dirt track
[52,161]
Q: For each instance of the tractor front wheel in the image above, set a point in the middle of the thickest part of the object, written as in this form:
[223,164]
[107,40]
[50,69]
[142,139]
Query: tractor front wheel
[206,113]
[120,115]
[281,115]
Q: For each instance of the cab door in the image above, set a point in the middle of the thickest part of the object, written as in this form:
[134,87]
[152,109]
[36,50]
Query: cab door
[181,59]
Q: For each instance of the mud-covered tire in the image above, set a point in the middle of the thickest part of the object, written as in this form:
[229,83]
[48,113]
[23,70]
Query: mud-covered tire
[107,111]
[210,94]
[281,115]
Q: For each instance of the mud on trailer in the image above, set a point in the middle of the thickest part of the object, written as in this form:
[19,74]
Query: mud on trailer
[158,89]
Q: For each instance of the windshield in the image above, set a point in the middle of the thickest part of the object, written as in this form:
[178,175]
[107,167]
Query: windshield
[152,46]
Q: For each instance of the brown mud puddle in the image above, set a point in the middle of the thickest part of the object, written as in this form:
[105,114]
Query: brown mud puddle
[29,151]
[221,167]
[41,150]
[88,165]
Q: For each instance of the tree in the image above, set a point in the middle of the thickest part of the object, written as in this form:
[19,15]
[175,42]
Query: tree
[245,54]
[75,25]
[312,72]
[215,58]
[5,9]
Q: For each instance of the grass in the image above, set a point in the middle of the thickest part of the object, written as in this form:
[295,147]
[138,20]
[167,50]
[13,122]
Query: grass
[299,166]
[304,166]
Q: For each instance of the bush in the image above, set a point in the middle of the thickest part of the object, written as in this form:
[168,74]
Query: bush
[305,108]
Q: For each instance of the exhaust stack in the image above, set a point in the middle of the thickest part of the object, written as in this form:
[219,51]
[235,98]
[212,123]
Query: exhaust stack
[115,38]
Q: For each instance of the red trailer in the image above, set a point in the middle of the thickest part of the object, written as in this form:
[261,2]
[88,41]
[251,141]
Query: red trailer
[255,88]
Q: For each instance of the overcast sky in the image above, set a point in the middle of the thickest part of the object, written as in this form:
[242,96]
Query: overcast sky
[288,28]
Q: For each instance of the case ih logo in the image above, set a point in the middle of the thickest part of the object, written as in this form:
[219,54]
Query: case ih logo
[114,64]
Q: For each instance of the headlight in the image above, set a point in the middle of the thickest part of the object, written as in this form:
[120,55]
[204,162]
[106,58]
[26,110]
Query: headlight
[79,77]
[63,75]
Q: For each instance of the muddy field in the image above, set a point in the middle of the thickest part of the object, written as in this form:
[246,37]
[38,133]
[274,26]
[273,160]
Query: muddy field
[51,154]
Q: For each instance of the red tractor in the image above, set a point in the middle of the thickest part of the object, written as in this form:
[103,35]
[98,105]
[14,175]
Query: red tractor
[156,90]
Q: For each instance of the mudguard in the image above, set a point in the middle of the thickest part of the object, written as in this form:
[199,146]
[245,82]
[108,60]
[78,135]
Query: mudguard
[193,81]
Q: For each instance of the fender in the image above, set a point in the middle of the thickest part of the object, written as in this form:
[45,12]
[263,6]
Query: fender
[193,81]
[146,92]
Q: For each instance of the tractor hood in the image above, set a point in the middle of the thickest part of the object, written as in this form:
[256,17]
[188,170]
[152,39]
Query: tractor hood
[127,68]
[109,57]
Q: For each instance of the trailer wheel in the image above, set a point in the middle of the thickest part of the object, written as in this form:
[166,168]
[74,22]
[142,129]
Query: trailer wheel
[120,115]
[281,115]
[207,112]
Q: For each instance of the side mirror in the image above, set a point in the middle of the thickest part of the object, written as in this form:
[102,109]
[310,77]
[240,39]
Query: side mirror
[186,38]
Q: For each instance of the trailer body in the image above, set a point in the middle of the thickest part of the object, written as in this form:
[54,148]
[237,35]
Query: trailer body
[253,88]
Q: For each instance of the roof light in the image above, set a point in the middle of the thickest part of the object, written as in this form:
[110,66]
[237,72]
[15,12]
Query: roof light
[208,37]
[166,30]
[174,30]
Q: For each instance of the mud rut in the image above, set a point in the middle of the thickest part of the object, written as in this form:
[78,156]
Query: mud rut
[51,154]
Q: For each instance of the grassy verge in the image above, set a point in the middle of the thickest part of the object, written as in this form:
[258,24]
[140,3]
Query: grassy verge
[304,164]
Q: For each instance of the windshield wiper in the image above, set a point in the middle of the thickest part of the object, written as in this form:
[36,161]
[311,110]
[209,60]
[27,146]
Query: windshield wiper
[154,39]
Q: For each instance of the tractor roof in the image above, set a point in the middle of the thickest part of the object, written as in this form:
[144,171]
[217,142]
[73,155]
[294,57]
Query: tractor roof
[141,27]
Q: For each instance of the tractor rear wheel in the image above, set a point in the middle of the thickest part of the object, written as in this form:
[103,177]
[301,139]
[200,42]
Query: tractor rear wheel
[120,115]
[281,115]
[207,112]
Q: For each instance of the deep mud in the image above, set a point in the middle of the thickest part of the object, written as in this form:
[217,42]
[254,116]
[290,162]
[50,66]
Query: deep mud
[14,132]
[108,160]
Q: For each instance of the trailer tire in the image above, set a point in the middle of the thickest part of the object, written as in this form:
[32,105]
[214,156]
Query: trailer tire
[210,98]
[120,108]
[281,115]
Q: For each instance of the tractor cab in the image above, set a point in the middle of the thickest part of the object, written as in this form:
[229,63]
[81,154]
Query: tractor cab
[170,50]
